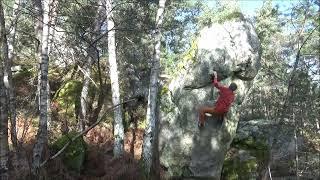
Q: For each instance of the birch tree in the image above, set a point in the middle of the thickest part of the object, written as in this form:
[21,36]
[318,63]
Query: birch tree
[4,147]
[8,73]
[42,135]
[148,141]
[117,124]
[38,28]
[91,58]
[53,4]
[53,18]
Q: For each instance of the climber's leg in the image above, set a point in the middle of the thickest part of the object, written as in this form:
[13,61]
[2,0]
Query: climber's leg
[202,111]
[207,109]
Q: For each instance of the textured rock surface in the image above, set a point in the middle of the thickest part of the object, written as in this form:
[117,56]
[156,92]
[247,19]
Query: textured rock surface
[233,50]
[283,151]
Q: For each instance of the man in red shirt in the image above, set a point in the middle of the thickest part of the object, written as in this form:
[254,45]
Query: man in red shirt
[223,103]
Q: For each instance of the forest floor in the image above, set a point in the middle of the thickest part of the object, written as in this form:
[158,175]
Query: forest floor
[99,162]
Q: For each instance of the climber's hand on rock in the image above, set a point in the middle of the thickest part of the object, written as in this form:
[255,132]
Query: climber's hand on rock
[215,73]
[212,77]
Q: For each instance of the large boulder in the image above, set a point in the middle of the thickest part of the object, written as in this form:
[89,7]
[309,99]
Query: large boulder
[251,146]
[233,50]
[249,153]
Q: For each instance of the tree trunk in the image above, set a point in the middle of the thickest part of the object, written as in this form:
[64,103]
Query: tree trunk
[134,129]
[95,112]
[53,18]
[11,44]
[42,135]
[12,37]
[4,147]
[53,4]
[91,58]
[296,150]
[84,96]
[155,167]
[118,131]
[38,28]
[147,152]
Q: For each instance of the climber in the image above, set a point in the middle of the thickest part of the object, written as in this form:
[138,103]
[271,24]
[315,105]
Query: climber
[225,99]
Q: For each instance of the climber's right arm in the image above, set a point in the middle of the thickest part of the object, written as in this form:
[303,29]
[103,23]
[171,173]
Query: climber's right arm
[215,80]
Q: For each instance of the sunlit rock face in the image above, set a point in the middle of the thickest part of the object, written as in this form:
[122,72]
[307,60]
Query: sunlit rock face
[233,50]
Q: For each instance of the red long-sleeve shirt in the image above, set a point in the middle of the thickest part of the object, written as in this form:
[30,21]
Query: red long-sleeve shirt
[225,99]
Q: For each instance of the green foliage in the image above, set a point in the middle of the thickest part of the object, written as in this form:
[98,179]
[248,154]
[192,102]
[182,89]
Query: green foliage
[169,62]
[166,104]
[306,21]
[225,11]
[191,53]
[68,97]
[74,155]
[174,64]
[25,43]
[269,88]
[267,23]
[164,90]
[180,25]
[80,15]
[69,92]
[179,31]
[142,124]
[236,15]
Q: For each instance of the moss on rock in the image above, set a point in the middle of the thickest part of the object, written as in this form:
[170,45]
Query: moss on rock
[235,168]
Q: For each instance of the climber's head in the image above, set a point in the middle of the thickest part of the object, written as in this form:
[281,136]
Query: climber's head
[233,86]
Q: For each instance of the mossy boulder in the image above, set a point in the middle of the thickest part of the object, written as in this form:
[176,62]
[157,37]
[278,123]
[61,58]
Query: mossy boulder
[69,94]
[255,136]
[74,155]
[244,158]
[236,169]
[68,100]
[231,48]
